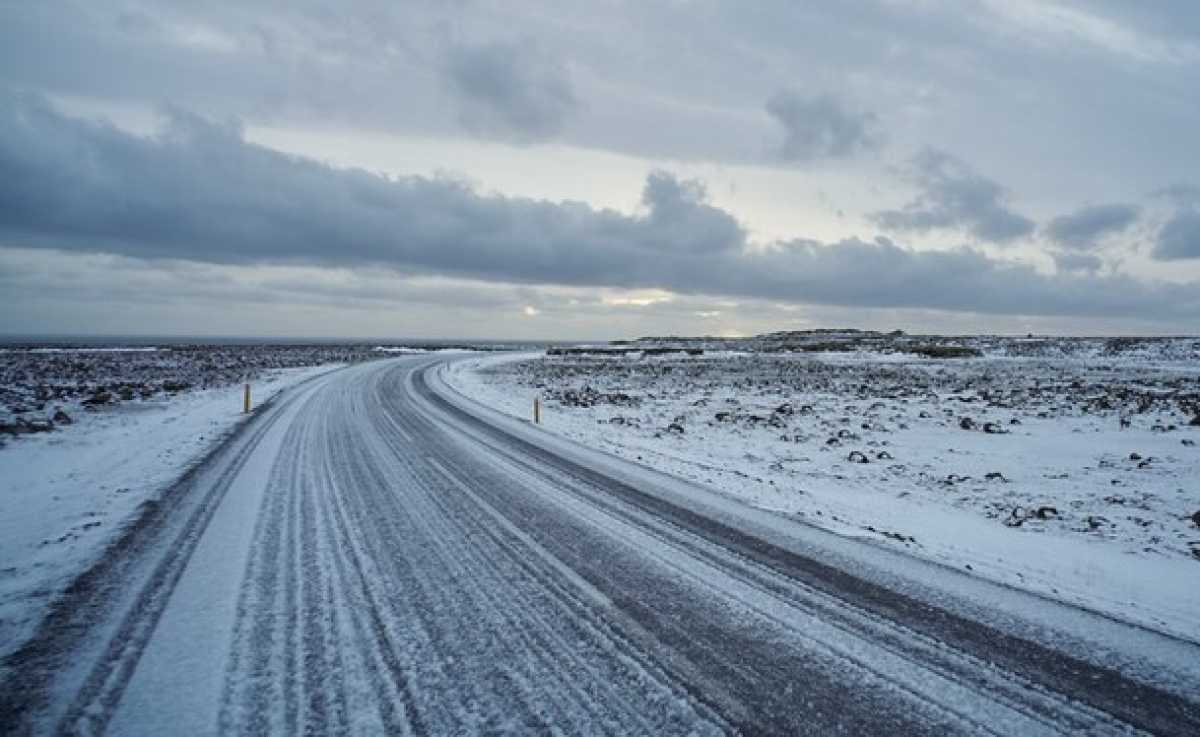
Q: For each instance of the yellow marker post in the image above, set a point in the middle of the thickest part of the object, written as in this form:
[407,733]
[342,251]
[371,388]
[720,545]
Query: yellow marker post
[246,398]
[537,411]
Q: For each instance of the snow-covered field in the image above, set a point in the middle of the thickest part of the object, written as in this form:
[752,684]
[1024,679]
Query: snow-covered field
[1069,468]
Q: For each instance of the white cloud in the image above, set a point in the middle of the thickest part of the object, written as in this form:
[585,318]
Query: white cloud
[1059,22]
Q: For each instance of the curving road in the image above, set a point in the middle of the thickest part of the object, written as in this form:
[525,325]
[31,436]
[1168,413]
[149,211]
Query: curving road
[372,555]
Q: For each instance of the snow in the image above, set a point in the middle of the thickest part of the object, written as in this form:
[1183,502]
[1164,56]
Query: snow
[408,350]
[65,495]
[1120,539]
[331,592]
[202,607]
[97,349]
[337,573]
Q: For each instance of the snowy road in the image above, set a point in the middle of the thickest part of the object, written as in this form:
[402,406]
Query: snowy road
[368,557]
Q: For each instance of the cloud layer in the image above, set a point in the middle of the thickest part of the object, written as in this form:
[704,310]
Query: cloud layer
[951,195]
[820,127]
[199,192]
[1179,237]
[510,91]
[1082,229]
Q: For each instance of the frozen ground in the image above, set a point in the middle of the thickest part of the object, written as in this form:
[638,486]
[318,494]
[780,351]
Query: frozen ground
[375,554]
[1069,468]
[366,557]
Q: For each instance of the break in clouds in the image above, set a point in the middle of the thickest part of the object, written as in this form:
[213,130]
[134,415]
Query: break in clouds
[198,192]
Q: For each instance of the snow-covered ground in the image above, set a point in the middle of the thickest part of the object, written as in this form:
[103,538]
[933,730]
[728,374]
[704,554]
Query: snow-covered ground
[1073,473]
[36,381]
[65,494]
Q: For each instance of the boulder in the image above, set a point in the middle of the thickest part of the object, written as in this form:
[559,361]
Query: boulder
[26,427]
[97,399]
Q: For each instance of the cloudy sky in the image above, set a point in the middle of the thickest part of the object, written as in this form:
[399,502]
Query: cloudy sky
[597,169]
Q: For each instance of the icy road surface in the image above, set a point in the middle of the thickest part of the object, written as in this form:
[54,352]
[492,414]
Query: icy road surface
[372,554]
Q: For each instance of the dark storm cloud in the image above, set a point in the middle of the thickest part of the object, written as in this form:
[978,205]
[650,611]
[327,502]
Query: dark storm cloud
[820,127]
[199,192]
[510,91]
[883,274]
[679,217]
[953,195]
[1179,237]
[1081,229]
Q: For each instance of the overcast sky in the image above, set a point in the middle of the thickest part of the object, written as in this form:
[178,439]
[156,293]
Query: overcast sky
[588,170]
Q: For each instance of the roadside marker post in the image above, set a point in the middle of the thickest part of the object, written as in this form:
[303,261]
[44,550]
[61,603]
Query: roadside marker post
[537,411]
[245,399]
